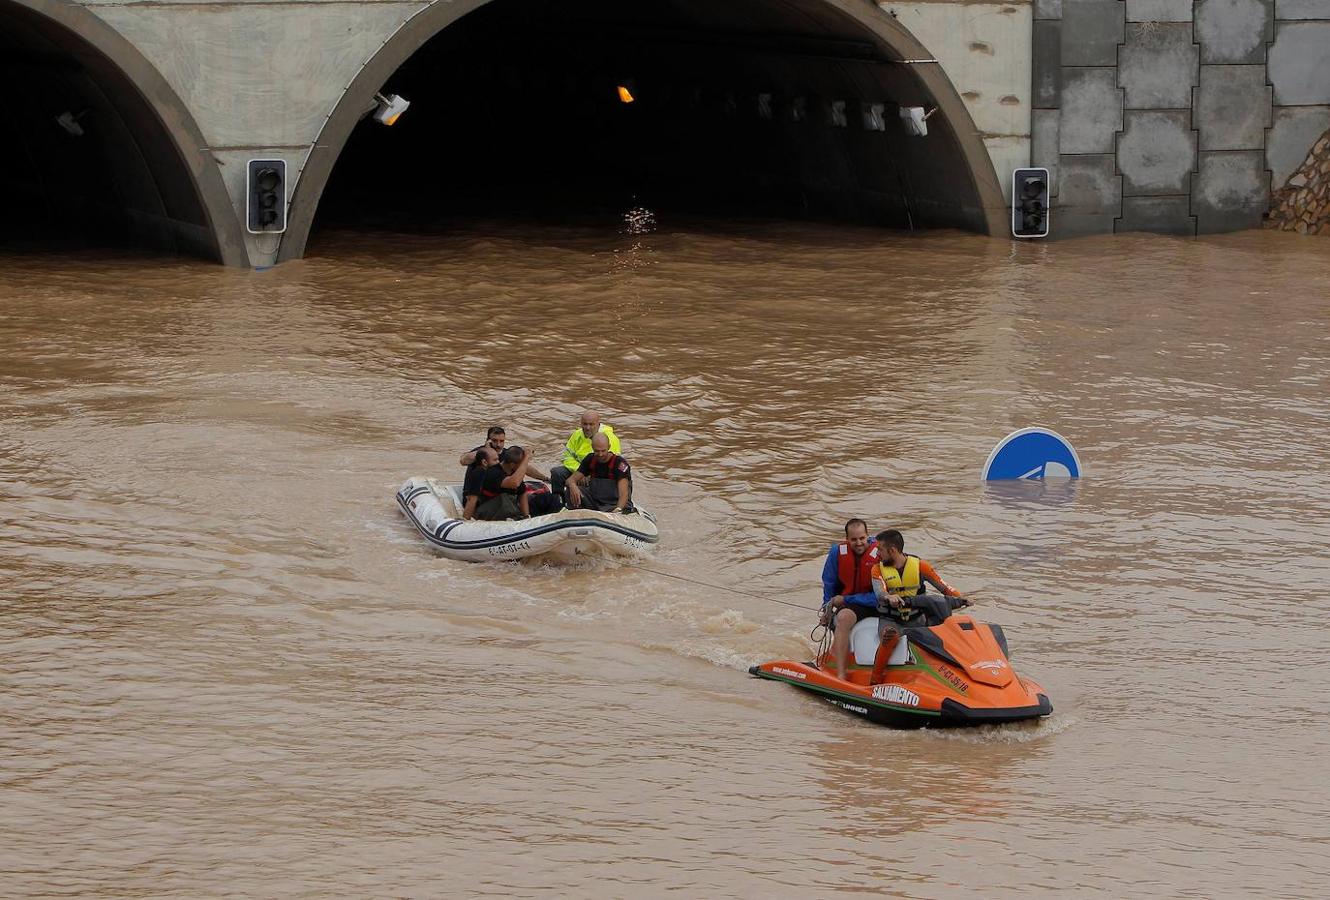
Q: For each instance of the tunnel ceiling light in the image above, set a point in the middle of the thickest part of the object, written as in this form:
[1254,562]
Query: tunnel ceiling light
[69,121]
[915,120]
[874,120]
[389,109]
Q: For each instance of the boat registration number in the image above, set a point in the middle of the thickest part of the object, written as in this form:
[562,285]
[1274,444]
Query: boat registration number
[510,549]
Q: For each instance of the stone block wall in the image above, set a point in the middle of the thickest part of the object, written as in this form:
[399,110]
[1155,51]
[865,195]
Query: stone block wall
[1172,116]
[1304,203]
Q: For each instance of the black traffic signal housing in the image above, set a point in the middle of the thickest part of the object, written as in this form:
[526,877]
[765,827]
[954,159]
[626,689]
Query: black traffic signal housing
[1029,203]
[265,196]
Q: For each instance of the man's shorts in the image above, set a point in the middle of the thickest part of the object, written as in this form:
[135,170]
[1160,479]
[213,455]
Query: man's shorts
[860,613]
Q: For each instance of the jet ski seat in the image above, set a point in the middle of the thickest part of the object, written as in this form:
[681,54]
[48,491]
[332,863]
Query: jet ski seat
[864,641]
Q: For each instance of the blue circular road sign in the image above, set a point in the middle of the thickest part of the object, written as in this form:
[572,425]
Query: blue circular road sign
[1032,453]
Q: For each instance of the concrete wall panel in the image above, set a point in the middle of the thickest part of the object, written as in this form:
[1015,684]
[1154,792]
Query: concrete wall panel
[1300,63]
[1091,110]
[1157,66]
[1232,107]
[1156,152]
[1295,130]
[984,48]
[1089,196]
[1230,191]
[1047,68]
[1044,145]
[1159,10]
[1048,9]
[1302,9]
[1091,32]
[1159,215]
[1234,31]
[224,64]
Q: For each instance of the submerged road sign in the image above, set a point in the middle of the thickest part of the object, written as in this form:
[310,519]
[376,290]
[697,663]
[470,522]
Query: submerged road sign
[1032,453]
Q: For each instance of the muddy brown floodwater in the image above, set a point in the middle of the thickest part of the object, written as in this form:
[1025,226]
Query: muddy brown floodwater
[230,667]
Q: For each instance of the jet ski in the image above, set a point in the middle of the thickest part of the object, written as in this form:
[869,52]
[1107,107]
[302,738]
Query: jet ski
[951,671]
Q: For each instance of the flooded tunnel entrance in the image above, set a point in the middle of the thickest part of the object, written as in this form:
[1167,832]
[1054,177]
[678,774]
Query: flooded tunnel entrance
[88,160]
[755,107]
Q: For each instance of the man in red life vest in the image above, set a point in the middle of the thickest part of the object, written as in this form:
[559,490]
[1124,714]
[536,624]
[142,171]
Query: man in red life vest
[847,588]
[608,479]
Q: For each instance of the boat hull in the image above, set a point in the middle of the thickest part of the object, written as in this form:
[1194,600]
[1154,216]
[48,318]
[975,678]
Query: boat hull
[434,510]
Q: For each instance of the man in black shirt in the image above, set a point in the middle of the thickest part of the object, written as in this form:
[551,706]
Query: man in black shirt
[608,478]
[502,491]
[475,476]
[495,438]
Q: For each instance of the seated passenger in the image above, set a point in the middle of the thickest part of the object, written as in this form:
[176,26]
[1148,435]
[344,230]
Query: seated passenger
[847,588]
[502,491]
[494,439]
[578,448]
[608,477]
[475,475]
[898,578]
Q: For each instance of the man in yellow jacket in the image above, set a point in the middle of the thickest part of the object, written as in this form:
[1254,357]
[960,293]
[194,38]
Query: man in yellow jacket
[578,447]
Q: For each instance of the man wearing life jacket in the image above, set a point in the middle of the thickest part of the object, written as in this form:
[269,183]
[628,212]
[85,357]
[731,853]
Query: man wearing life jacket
[578,448]
[608,478]
[899,577]
[502,490]
[847,588]
[475,477]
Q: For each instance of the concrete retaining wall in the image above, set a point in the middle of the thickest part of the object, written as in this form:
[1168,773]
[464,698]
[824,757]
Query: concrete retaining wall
[984,47]
[1175,117]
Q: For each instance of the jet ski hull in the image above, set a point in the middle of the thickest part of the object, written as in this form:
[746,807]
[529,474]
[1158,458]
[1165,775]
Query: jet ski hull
[936,685]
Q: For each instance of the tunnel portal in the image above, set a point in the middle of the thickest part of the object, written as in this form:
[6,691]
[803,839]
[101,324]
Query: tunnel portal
[781,108]
[88,159]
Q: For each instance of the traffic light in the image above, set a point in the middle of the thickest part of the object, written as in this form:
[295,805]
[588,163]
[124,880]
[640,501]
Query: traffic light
[1029,203]
[265,190]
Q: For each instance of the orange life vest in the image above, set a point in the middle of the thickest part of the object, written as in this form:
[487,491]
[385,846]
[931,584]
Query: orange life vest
[856,575]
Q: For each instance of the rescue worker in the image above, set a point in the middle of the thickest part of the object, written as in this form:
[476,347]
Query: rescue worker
[502,489]
[578,447]
[608,477]
[485,456]
[847,588]
[897,578]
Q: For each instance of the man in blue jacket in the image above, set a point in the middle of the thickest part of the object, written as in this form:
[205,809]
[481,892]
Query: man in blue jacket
[847,588]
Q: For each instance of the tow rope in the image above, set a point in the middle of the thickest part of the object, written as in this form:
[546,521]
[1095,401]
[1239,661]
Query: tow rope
[717,587]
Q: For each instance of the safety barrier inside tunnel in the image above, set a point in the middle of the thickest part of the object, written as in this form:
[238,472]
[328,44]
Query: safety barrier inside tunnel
[98,151]
[789,108]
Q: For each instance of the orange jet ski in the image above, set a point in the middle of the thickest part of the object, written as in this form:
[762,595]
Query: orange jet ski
[952,671]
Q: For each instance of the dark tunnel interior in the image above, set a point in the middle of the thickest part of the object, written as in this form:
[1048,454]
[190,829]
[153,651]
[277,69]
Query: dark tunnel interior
[753,107]
[84,160]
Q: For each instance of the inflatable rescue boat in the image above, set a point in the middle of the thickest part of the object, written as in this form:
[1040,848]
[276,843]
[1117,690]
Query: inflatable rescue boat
[436,511]
[953,673]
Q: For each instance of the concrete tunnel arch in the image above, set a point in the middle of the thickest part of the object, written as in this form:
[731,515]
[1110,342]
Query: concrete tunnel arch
[984,206]
[146,160]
